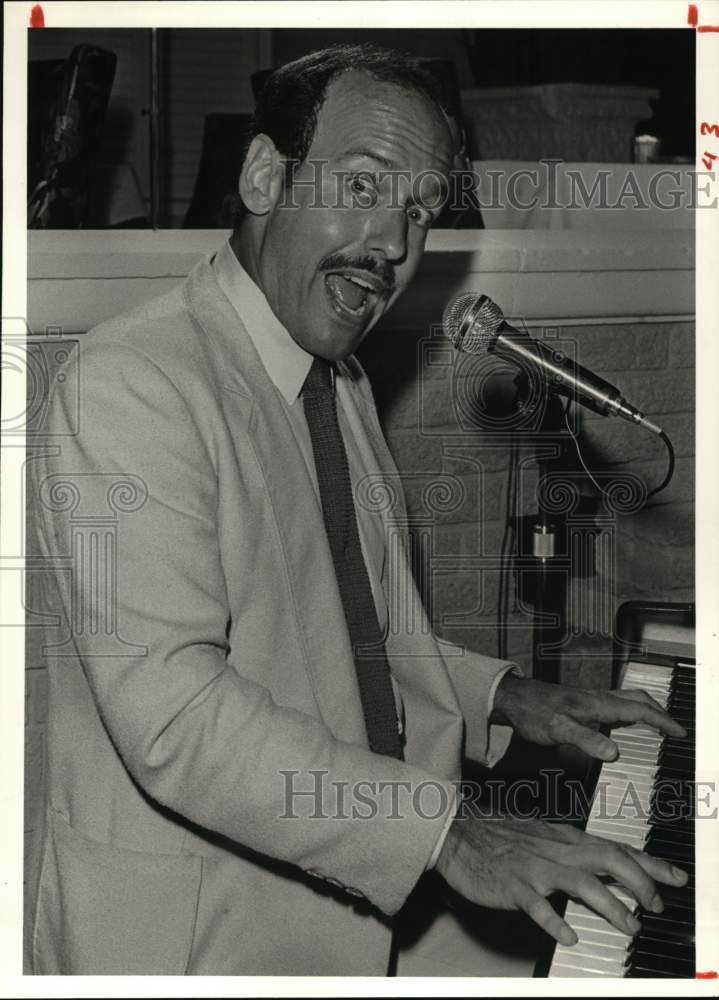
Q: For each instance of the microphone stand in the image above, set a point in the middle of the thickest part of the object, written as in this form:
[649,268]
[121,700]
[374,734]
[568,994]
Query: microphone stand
[548,577]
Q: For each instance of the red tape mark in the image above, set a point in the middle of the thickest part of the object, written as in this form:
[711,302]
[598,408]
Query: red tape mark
[706,975]
[37,17]
[693,20]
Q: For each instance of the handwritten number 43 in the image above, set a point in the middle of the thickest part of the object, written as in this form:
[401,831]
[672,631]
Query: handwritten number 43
[706,129]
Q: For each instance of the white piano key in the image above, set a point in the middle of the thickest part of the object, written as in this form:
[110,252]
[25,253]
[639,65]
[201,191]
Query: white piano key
[637,730]
[616,806]
[586,915]
[640,743]
[585,966]
[569,972]
[586,957]
[630,771]
[599,930]
[620,793]
[623,895]
[640,739]
[603,828]
[599,939]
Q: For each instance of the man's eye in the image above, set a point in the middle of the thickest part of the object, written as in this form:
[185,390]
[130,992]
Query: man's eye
[361,183]
[420,216]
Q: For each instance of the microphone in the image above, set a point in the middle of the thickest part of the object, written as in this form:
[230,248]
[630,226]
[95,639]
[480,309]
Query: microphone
[475,324]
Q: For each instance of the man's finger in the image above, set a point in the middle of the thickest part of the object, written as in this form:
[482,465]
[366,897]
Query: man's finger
[543,913]
[590,891]
[659,870]
[589,740]
[605,858]
[637,694]
[630,707]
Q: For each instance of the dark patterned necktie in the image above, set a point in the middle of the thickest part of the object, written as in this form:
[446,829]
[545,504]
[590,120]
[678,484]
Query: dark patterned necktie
[373,676]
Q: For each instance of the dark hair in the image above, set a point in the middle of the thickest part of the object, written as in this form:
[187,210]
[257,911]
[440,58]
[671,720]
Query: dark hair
[288,99]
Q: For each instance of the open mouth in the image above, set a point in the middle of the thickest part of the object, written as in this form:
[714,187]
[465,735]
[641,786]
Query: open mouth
[350,294]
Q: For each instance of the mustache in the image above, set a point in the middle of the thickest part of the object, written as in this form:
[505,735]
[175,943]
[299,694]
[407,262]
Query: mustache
[375,266]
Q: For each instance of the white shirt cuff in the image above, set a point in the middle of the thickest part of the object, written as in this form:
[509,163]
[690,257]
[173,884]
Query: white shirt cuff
[495,684]
[498,736]
[434,856]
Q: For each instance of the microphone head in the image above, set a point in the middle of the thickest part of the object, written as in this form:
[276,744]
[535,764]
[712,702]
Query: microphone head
[471,322]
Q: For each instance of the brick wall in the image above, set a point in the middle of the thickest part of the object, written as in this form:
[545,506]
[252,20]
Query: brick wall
[425,411]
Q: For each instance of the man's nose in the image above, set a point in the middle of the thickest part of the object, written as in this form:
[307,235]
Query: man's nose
[388,234]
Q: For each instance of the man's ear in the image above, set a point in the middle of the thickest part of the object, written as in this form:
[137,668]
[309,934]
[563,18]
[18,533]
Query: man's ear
[262,176]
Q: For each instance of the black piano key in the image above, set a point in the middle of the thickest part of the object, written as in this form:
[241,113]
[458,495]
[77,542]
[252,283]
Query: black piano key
[684,686]
[668,851]
[681,895]
[681,688]
[683,692]
[682,709]
[671,930]
[662,963]
[687,677]
[678,895]
[674,914]
[672,755]
[642,972]
[673,771]
[679,745]
[679,814]
[682,699]
[671,818]
[644,944]
[681,751]
[671,834]
[674,854]
[672,791]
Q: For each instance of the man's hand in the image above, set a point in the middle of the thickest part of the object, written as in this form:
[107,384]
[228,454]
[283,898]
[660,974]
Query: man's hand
[512,864]
[550,714]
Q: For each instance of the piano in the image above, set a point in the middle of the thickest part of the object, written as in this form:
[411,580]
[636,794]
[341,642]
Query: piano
[646,799]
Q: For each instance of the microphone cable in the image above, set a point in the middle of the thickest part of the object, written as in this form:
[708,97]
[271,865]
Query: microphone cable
[508,548]
[662,434]
[670,466]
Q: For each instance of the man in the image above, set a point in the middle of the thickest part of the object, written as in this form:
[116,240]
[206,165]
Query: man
[217,799]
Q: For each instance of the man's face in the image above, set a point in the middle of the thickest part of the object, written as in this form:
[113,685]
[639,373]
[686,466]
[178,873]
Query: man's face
[338,249]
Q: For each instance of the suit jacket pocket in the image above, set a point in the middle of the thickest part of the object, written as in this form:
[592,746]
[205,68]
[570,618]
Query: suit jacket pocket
[103,910]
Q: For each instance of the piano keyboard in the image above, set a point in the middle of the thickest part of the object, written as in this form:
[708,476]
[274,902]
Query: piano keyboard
[644,799]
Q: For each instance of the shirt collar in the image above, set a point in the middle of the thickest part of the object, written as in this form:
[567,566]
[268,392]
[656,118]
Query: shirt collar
[286,363]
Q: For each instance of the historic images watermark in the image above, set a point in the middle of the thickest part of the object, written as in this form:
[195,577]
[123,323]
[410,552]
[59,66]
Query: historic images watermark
[87,509]
[618,798]
[550,184]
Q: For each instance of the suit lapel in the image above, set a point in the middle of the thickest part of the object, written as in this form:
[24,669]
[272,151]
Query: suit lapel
[297,512]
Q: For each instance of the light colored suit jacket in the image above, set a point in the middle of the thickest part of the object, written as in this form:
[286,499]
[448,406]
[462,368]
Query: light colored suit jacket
[208,670]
